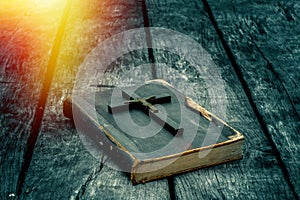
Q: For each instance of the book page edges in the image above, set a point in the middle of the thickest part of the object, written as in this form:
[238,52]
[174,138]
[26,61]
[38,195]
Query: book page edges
[188,161]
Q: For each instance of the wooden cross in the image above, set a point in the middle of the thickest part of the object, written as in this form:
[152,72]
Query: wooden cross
[146,105]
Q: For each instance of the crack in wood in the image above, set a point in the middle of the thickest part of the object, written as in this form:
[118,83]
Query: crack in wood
[90,178]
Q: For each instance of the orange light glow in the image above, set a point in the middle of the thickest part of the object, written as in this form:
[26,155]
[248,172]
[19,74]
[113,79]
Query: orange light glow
[47,3]
[21,5]
[29,29]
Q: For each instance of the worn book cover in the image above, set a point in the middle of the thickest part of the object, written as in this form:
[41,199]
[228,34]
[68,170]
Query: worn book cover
[153,131]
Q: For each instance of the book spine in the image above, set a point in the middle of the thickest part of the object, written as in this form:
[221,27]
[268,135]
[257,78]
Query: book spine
[80,111]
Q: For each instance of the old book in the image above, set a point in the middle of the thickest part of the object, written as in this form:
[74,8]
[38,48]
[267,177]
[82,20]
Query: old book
[154,131]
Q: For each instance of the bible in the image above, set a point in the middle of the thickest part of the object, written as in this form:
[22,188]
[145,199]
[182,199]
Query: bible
[153,131]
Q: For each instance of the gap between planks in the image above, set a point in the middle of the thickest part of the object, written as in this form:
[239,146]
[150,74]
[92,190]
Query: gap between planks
[244,84]
[39,111]
[149,39]
[151,57]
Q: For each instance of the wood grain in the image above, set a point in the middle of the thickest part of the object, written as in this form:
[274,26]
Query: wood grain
[62,168]
[258,175]
[24,46]
[264,39]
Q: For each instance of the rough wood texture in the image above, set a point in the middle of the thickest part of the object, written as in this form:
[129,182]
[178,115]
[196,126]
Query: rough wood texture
[26,38]
[61,167]
[264,39]
[258,175]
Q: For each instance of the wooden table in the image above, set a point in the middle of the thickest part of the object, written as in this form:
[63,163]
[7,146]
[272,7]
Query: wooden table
[254,44]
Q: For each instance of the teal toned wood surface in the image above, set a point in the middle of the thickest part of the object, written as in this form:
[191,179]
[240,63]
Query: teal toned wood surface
[61,167]
[258,175]
[26,39]
[263,48]
[263,37]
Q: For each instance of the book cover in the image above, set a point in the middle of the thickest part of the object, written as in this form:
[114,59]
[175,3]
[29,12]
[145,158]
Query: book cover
[153,131]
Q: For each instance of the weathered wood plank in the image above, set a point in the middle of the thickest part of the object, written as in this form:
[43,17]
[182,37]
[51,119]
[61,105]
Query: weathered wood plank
[61,167]
[258,174]
[26,39]
[264,39]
